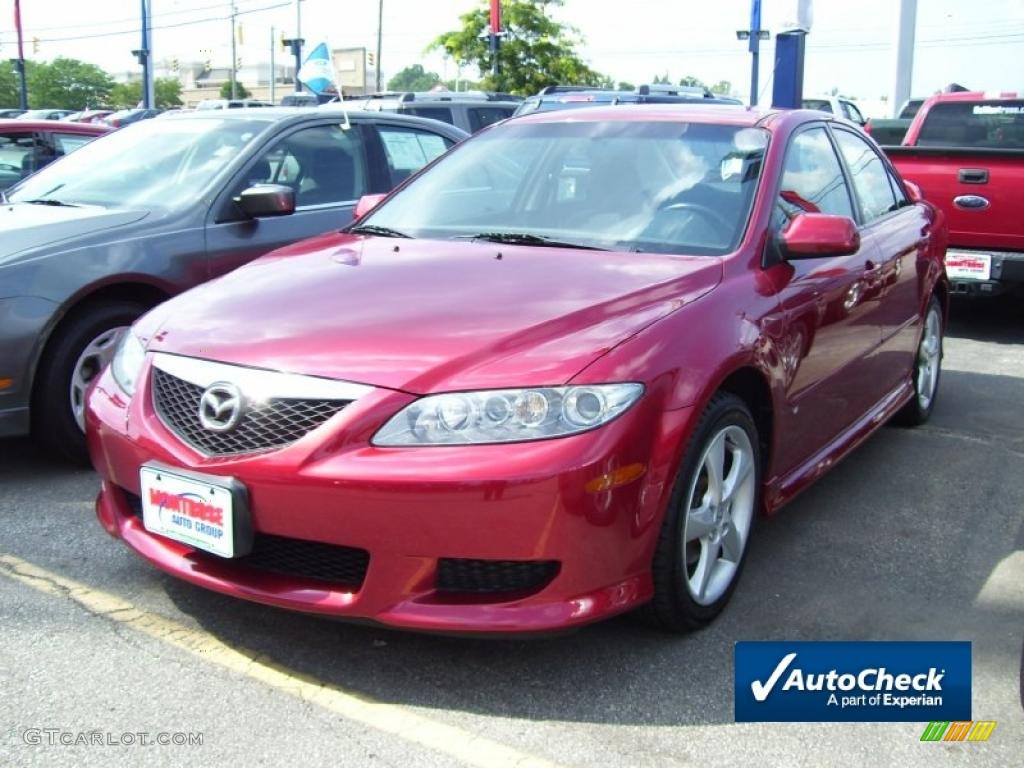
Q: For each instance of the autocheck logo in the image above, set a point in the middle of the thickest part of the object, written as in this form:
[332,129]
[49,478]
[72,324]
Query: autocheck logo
[866,681]
[852,681]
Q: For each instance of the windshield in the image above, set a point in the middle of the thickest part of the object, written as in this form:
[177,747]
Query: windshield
[153,164]
[665,187]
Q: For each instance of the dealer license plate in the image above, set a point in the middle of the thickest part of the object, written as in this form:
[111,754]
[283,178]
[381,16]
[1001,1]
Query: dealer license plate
[194,512]
[965,265]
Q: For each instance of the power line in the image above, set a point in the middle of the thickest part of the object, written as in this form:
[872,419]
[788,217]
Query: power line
[135,31]
[135,19]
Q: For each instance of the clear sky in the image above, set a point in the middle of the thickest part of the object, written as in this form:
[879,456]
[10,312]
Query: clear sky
[979,43]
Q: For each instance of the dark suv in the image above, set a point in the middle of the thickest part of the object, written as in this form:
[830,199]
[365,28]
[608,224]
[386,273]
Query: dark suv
[92,241]
[556,97]
[469,110]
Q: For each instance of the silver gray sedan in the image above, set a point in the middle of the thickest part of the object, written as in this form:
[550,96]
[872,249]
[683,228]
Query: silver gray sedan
[94,240]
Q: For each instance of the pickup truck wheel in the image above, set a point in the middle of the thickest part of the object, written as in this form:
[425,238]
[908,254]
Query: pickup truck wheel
[927,369]
[703,542]
[85,343]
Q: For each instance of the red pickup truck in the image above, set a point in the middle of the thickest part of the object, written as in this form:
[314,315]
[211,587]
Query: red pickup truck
[966,153]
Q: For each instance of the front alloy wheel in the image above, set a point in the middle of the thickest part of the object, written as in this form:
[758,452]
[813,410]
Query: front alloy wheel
[81,347]
[94,358]
[704,537]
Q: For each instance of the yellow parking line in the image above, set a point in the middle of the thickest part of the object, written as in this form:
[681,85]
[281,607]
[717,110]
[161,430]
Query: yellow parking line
[460,744]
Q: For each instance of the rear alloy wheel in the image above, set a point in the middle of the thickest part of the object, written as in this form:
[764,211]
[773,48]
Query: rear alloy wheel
[83,345]
[927,369]
[703,542]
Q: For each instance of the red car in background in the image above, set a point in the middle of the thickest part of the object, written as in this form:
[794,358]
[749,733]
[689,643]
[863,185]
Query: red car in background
[553,378]
[966,152]
[28,145]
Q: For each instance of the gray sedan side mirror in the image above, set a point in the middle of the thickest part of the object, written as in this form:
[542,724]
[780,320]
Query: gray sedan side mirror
[262,200]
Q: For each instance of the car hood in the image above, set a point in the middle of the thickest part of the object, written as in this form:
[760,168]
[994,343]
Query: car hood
[26,227]
[426,316]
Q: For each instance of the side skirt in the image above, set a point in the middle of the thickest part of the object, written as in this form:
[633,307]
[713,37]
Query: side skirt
[780,491]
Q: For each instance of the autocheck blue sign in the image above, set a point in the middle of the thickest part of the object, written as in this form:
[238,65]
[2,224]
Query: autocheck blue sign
[853,681]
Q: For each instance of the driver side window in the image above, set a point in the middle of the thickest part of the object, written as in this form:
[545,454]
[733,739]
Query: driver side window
[324,164]
[812,179]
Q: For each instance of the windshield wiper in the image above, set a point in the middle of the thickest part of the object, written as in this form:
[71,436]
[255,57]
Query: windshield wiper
[373,229]
[50,201]
[524,238]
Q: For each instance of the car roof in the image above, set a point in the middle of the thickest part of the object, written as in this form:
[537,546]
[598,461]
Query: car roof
[51,125]
[305,114]
[693,112]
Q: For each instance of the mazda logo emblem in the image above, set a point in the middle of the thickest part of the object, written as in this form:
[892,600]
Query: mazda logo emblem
[220,407]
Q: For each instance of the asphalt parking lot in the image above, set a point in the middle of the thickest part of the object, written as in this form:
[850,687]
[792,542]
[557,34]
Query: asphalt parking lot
[918,536]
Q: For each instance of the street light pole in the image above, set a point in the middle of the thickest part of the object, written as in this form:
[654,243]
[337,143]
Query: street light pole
[755,48]
[234,51]
[495,36]
[380,35]
[19,63]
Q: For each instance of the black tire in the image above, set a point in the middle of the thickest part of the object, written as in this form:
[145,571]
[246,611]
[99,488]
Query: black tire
[673,607]
[53,421]
[915,413]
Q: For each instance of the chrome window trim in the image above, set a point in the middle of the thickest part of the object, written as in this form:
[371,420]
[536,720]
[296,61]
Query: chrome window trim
[258,383]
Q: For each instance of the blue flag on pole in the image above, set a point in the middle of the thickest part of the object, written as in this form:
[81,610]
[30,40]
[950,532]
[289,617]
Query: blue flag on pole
[317,72]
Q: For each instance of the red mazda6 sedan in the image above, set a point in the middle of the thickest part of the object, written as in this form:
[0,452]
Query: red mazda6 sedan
[554,377]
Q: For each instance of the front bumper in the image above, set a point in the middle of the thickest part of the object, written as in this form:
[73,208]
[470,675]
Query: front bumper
[414,510]
[23,323]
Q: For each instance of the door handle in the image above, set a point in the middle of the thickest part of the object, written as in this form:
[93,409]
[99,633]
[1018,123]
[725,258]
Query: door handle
[973,175]
[870,266]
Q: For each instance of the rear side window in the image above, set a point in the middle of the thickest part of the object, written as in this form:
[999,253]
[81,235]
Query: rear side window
[870,176]
[852,113]
[409,149]
[821,105]
[812,179]
[481,117]
[67,143]
[444,114]
[17,157]
[992,125]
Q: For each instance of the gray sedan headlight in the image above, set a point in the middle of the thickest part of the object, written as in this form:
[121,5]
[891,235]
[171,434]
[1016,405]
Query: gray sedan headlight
[506,415]
[127,362]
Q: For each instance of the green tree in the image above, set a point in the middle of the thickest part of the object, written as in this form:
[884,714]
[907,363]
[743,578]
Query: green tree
[241,92]
[536,52]
[625,86]
[692,82]
[414,78]
[722,87]
[9,96]
[166,90]
[67,84]
[463,83]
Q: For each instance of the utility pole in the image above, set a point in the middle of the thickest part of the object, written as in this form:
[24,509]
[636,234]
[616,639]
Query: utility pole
[755,48]
[234,51]
[143,54]
[380,37]
[495,36]
[903,59]
[19,63]
[273,66]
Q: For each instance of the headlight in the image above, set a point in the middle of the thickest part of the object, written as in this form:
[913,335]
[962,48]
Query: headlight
[127,362]
[506,415]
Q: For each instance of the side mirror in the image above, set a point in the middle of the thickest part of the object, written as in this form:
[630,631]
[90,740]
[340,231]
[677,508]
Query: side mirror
[913,191]
[812,235]
[262,200]
[366,204]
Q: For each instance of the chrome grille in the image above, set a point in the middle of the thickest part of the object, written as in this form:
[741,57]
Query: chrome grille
[267,424]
